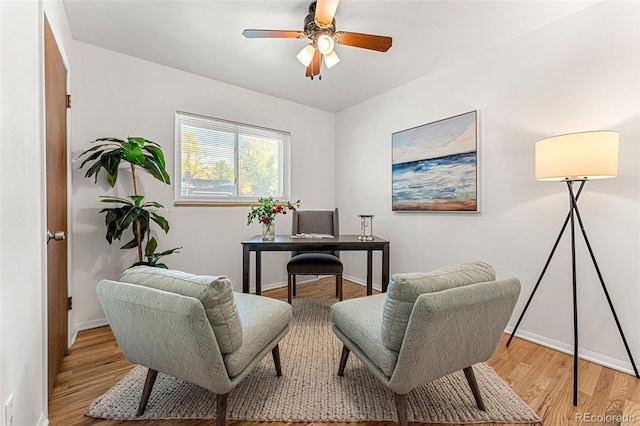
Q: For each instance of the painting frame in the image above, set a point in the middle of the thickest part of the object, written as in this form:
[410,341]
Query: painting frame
[435,166]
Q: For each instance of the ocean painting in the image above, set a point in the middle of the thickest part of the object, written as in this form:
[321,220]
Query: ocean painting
[435,166]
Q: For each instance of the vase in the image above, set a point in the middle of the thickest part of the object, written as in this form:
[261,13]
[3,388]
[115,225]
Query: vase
[268,231]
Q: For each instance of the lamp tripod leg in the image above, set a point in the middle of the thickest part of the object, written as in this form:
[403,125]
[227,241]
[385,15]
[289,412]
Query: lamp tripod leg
[544,270]
[604,289]
[573,206]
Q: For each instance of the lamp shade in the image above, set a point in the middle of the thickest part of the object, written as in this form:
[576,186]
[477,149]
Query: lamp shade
[305,56]
[331,59]
[577,156]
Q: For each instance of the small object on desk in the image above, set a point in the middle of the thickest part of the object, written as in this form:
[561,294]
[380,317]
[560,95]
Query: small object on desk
[313,236]
[366,227]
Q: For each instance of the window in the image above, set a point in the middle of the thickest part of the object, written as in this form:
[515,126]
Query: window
[226,162]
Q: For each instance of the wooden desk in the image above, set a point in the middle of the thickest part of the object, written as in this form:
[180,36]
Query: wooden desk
[340,243]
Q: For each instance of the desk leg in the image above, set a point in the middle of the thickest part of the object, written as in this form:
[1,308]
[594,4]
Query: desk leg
[385,268]
[258,272]
[369,272]
[246,259]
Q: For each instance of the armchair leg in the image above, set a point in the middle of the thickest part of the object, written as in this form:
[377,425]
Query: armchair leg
[276,360]
[221,408]
[339,286]
[343,360]
[473,384]
[290,287]
[146,392]
[401,409]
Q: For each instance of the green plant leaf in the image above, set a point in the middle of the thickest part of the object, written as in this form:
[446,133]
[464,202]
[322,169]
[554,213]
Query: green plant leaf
[131,244]
[111,161]
[102,146]
[168,252]
[132,214]
[107,199]
[155,170]
[153,204]
[91,157]
[161,221]
[133,153]
[151,247]
[157,155]
[139,142]
[94,170]
[115,140]
[137,199]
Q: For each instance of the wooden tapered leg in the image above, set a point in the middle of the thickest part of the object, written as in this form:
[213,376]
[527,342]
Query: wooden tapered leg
[401,409]
[290,287]
[146,392]
[473,384]
[276,360]
[221,408]
[343,360]
[339,286]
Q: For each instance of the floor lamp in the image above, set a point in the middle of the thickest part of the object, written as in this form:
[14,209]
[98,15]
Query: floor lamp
[577,157]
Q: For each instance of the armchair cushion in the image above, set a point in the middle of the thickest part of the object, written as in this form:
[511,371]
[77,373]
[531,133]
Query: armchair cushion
[404,289]
[263,320]
[214,292]
[360,320]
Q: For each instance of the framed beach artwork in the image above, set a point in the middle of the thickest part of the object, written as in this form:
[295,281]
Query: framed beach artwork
[435,166]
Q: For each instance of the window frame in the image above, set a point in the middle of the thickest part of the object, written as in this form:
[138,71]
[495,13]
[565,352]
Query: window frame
[239,130]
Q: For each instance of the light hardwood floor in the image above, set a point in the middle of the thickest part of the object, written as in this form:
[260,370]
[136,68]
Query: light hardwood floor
[540,376]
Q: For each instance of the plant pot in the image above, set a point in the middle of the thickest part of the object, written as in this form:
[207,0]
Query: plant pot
[268,231]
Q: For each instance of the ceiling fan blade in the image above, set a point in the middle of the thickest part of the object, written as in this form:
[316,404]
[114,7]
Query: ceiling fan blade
[273,34]
[314,66]
[365,41]
[326,10]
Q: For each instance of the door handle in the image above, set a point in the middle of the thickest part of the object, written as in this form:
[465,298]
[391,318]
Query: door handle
[58,236]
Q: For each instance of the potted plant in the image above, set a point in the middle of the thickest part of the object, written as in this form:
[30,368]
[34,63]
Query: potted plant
[266,213]
[132,211]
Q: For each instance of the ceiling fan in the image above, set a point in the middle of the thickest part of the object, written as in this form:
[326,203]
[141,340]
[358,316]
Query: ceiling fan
[320,28]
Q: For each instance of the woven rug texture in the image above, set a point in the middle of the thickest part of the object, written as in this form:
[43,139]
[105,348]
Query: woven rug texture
[311,391]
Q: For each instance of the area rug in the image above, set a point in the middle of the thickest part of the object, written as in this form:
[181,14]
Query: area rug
[310,390]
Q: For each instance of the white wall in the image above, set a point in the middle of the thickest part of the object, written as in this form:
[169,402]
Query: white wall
[23,301]
[580,73]
[119,96]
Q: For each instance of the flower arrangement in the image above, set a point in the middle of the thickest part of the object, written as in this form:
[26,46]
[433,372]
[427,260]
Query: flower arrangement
[268,209]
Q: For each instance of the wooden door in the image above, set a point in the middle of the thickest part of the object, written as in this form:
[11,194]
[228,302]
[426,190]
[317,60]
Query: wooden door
[56,149]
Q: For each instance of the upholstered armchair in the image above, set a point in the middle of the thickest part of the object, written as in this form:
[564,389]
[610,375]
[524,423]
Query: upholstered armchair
[192,327]
[314,263]
[427,326]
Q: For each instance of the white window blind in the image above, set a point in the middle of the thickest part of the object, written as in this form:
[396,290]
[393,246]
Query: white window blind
[224,161]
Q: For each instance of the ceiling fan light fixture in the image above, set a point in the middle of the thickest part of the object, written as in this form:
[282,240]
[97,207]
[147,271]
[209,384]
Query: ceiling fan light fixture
[330,59]
[325,44]
[305,56]
[320,28]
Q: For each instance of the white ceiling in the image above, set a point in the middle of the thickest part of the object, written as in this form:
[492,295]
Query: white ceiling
[205,38]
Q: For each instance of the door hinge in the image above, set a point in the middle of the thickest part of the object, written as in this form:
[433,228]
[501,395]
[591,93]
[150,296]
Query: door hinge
[69,303]
[68,101]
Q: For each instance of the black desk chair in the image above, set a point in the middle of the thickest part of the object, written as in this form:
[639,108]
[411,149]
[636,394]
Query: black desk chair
[314,263]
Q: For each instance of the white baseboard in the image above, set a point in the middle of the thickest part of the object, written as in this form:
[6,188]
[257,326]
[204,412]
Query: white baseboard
[87,325]
[585,354]
[43,421]
[299,281]
[362,282]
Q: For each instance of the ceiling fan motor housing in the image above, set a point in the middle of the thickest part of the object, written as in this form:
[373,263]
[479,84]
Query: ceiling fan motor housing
[311,26]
